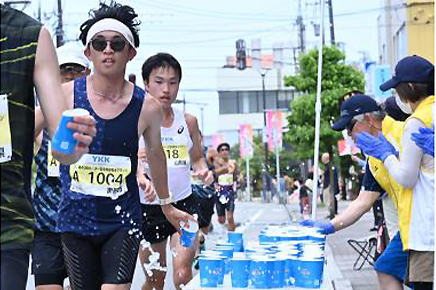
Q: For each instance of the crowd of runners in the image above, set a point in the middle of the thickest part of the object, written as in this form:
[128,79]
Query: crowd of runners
[140,171]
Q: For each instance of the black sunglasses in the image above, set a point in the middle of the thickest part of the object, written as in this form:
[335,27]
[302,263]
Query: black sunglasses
[116,44]
[72,69]
[224,149]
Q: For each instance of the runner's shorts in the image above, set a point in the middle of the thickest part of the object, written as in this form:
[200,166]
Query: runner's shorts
[95,260]
[48,264]
[393,260]
[225,200]
[206,202]
[155,226]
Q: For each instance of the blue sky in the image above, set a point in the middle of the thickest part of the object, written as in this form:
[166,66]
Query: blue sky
[200,34]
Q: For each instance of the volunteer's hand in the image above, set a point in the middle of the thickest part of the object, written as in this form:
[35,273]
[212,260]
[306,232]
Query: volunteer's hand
[425,140]
[326,228]
[379,148]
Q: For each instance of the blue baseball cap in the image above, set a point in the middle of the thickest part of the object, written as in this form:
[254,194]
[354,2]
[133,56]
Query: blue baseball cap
[411,69]
[355,105]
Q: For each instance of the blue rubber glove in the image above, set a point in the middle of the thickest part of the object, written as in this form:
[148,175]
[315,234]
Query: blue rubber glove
[326,228]
[425,140]
[379,148]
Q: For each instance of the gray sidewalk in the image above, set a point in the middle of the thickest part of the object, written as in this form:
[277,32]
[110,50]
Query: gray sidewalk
[341,254]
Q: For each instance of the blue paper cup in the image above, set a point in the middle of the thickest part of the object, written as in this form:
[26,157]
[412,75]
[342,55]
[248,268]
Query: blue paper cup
[278,273]
[309,272]
[260,273]
[237,240]
[226,251]
[63,140]
[211,271]
[189,233]
[240,272]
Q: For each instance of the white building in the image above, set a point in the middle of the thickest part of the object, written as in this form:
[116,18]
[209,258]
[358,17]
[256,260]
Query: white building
[241,98]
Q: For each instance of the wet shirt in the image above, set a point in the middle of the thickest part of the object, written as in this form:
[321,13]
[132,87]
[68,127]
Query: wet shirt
[18,41]
[100,192]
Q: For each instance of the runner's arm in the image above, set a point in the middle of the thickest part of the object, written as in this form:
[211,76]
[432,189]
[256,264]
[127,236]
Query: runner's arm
[157,160]
[39,121]
[46,77]
[154,150]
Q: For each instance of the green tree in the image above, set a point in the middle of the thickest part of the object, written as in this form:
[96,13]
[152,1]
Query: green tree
[338,78]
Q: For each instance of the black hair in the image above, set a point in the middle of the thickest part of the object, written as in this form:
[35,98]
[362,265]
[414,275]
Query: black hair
[414,92]
[222,145]
[160,60]
[122,13]
[392,109]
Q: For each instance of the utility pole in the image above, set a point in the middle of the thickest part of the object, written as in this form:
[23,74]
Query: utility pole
[39,10]
[59,29]
[332,24]
[265,143]
[301,30]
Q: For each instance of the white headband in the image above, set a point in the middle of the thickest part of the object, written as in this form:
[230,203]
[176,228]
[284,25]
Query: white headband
[112,25]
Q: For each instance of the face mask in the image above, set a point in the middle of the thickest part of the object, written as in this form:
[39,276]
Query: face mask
[403,106]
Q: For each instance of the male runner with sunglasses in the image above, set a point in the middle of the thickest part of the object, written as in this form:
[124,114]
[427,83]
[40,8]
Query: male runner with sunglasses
[48,264]
[99,213]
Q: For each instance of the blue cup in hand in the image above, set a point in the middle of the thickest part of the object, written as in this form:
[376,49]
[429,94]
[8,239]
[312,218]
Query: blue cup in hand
[189,231]
[63,140]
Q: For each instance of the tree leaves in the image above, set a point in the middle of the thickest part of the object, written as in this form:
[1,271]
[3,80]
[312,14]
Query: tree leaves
[338,78]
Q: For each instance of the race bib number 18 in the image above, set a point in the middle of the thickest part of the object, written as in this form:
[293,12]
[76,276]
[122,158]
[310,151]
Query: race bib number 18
[5,130]
[100,175]
[177,155]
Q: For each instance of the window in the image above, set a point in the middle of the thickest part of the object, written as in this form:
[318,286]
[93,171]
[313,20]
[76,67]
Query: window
[271,100]
[228,102]
[253,102]
[283,100]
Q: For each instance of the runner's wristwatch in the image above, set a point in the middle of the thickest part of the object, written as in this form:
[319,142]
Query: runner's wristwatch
[167,200]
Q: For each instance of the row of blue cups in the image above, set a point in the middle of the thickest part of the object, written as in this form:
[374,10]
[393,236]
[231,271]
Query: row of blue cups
[263,272]
[280,263]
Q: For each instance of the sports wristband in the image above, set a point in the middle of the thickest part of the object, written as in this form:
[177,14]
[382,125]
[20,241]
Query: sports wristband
[167,200]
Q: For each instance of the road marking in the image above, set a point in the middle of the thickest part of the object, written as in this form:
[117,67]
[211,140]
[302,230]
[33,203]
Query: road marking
[245,225]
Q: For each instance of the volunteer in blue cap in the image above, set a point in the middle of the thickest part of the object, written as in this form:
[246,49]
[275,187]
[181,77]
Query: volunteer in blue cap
[361,113]
[414,170]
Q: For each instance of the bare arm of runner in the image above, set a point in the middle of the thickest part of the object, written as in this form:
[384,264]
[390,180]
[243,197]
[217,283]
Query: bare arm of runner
[196,152]
[143,182]
[152,116]
[47,81]
[220,167]
[39,121]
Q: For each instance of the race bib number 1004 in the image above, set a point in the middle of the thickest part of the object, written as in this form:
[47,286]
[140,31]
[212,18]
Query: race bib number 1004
[100,175]
[5,129]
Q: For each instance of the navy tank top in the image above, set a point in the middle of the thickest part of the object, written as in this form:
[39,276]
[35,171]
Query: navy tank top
[100,192]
